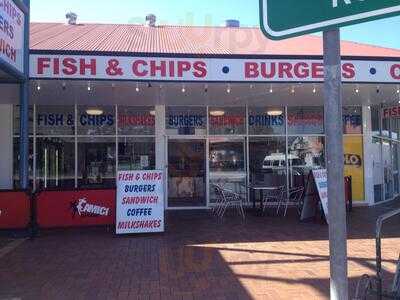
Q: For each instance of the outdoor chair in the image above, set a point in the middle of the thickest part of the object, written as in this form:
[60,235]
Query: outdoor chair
[294,199]
[274,198]
[227,199]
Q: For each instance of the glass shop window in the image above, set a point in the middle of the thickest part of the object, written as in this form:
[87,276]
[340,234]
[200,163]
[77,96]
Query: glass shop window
[267,120]
[305,153]
[55,120]
[227,120]
[16,119]
[55,164]
[305,120]
[96,120]
[136,120]
[352,120]
[186,120]
[267,161]
[96,162]
[136,153]
[16,178]
[375,120]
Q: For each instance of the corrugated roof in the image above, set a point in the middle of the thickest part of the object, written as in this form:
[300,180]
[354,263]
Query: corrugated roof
[182,40]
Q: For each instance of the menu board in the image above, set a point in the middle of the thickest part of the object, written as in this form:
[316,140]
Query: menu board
[140,202]
[321,182]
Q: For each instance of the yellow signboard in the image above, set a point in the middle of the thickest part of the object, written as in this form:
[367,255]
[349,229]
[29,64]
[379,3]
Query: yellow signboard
[354,164]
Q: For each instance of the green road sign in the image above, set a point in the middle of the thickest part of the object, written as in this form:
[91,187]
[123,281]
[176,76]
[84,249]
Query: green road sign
[287,18]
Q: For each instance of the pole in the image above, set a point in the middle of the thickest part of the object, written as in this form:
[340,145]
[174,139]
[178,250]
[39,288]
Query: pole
[339,289]
[24,112]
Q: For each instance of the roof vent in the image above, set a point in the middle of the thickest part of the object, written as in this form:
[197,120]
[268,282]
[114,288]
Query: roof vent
[71,18]
[151,20]
[232,23]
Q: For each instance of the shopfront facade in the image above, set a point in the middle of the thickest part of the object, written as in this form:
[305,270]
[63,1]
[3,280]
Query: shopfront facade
[202,119]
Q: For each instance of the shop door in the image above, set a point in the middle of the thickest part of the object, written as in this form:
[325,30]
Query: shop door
[186,173]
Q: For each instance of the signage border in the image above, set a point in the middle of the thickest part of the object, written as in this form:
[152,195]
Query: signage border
[329,24]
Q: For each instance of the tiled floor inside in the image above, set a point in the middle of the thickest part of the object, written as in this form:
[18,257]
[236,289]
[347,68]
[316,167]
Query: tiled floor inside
[196,258]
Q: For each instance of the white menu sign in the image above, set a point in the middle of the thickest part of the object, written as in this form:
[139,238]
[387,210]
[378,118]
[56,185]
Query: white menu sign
[140,202]
[12,22]
[321,181]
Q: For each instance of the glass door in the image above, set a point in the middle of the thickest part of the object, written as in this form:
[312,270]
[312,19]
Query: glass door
[186,173]
[227,164]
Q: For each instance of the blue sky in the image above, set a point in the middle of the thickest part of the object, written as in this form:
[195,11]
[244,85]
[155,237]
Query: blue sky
[185,12]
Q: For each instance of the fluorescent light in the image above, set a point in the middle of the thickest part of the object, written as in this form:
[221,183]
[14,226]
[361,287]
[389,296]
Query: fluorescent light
[217,113]
[93,111]
[274,112]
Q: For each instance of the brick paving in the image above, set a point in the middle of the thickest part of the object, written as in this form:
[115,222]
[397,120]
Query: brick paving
[197,258]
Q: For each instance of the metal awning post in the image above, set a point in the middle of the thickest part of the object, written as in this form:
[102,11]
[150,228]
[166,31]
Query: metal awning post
[24,112]
[335,162]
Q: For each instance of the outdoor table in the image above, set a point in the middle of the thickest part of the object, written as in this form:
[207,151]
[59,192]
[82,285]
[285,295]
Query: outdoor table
[260,188]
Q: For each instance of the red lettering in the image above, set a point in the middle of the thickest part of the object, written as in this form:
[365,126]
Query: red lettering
[43,62]
[317,70]
[183,66]
[348,71]
[139,69]
[56,68]
[395,71]
[69,66]
[301,70]
[265,73]
[285,69]
[171,69]
[154,68]
[251,70]
[200,69]
[90,66]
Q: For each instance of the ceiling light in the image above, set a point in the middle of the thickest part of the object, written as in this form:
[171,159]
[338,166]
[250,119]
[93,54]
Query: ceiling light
[137,87]
[93,111]
[292,91]
[38,87]
[398,90]
[183,88]
[314,90]
[270,89]
[357,90]
[153,112]
[274,112]
[228,89]
[217,113]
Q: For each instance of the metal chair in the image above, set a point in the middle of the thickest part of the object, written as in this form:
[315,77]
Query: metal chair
[227,199]
[274,198]
[295,196]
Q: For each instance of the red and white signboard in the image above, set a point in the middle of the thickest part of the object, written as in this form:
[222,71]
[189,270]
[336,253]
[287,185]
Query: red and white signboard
[140,202]
[206,69]
[12,21]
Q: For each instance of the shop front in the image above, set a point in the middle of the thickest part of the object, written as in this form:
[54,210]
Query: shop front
[201,117]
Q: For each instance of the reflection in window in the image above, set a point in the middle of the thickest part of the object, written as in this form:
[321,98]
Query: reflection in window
[305,120]
[98,120]
[55,162]
[267,161]
[375,120]
[96,162]
[352,120]
[136,154]
[377,169]
[226,155]
[16,119]
[137,120]
[16,179]
[305,153]
[387,169]
[227,120]
[266,120]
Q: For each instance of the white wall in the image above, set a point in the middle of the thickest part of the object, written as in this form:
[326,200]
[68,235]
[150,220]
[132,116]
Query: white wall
[6,146]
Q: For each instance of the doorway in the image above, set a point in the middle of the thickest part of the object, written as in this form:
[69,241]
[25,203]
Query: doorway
[187,175]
